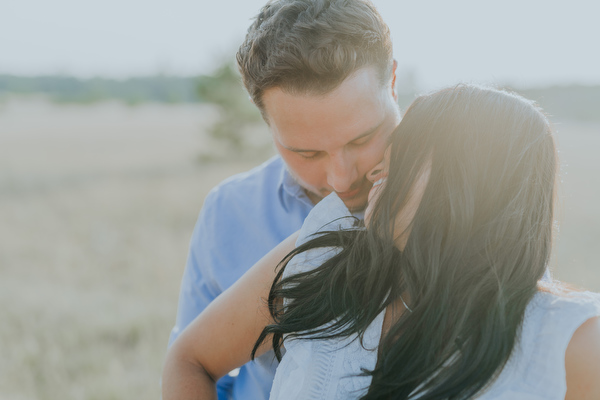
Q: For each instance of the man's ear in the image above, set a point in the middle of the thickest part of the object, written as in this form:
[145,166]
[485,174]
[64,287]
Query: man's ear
[394,93]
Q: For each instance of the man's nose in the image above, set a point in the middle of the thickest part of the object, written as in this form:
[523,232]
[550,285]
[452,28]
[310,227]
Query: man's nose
[342,172]
[377,172]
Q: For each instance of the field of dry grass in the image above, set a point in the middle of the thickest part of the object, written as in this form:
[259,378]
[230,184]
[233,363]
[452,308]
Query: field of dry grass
[97,204]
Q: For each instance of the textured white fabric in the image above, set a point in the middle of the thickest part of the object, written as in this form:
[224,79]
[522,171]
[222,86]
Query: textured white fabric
[325,369]
[536,369]
[330,369]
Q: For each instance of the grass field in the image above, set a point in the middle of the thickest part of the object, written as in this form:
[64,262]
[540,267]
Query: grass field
[97,204]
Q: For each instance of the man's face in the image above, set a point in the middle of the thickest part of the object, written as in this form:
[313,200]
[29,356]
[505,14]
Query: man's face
[330,142]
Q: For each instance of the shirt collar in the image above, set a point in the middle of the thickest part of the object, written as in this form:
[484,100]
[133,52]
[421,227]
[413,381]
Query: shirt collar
[292,191]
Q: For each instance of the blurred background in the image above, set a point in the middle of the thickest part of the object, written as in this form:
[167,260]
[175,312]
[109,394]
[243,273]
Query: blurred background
[117,117]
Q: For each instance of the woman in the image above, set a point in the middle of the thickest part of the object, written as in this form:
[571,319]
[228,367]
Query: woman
[441,296]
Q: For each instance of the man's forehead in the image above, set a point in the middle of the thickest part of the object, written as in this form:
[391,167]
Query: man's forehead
[335,129]
[305,142]
[363,86]
[352,110]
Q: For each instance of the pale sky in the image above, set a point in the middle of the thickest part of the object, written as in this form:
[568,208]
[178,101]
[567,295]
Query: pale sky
[519,42]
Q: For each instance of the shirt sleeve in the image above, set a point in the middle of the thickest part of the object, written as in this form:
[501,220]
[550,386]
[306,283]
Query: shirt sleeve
[199,285]
[330,214]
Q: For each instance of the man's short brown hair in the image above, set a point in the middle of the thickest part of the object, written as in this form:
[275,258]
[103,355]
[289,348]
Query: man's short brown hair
[312,46]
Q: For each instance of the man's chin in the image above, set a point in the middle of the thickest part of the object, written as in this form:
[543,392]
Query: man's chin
[356,205]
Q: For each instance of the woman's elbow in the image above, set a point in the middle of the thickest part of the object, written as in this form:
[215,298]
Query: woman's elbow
[184,377]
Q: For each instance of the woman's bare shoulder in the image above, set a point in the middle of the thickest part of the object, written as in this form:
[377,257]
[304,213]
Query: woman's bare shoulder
[582,362]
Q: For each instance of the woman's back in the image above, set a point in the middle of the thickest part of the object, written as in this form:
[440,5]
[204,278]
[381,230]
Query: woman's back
[319,369]
[536,368]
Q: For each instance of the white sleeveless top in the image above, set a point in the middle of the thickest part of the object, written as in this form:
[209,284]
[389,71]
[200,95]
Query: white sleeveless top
[330,369]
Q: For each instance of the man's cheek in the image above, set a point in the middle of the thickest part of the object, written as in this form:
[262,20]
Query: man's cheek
[371,157]
[311,175]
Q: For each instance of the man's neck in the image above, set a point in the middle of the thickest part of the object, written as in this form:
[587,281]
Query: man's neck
[312,196]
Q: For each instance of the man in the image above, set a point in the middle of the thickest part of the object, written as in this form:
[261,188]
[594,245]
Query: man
[321,73]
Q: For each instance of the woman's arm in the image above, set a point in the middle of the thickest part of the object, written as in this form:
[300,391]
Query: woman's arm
[221,338]
[582,362]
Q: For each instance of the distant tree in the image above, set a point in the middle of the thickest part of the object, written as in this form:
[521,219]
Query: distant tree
[224,89]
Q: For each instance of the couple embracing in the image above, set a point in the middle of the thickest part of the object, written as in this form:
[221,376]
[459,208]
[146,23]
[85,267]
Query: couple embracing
[379,256]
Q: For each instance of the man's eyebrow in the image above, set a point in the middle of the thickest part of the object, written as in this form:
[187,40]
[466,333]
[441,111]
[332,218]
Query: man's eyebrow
[362,135]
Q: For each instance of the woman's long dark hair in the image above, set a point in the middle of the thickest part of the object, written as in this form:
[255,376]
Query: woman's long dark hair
[479,243]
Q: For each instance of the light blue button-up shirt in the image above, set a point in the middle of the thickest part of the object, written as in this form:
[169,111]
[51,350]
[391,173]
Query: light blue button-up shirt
[242,219]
